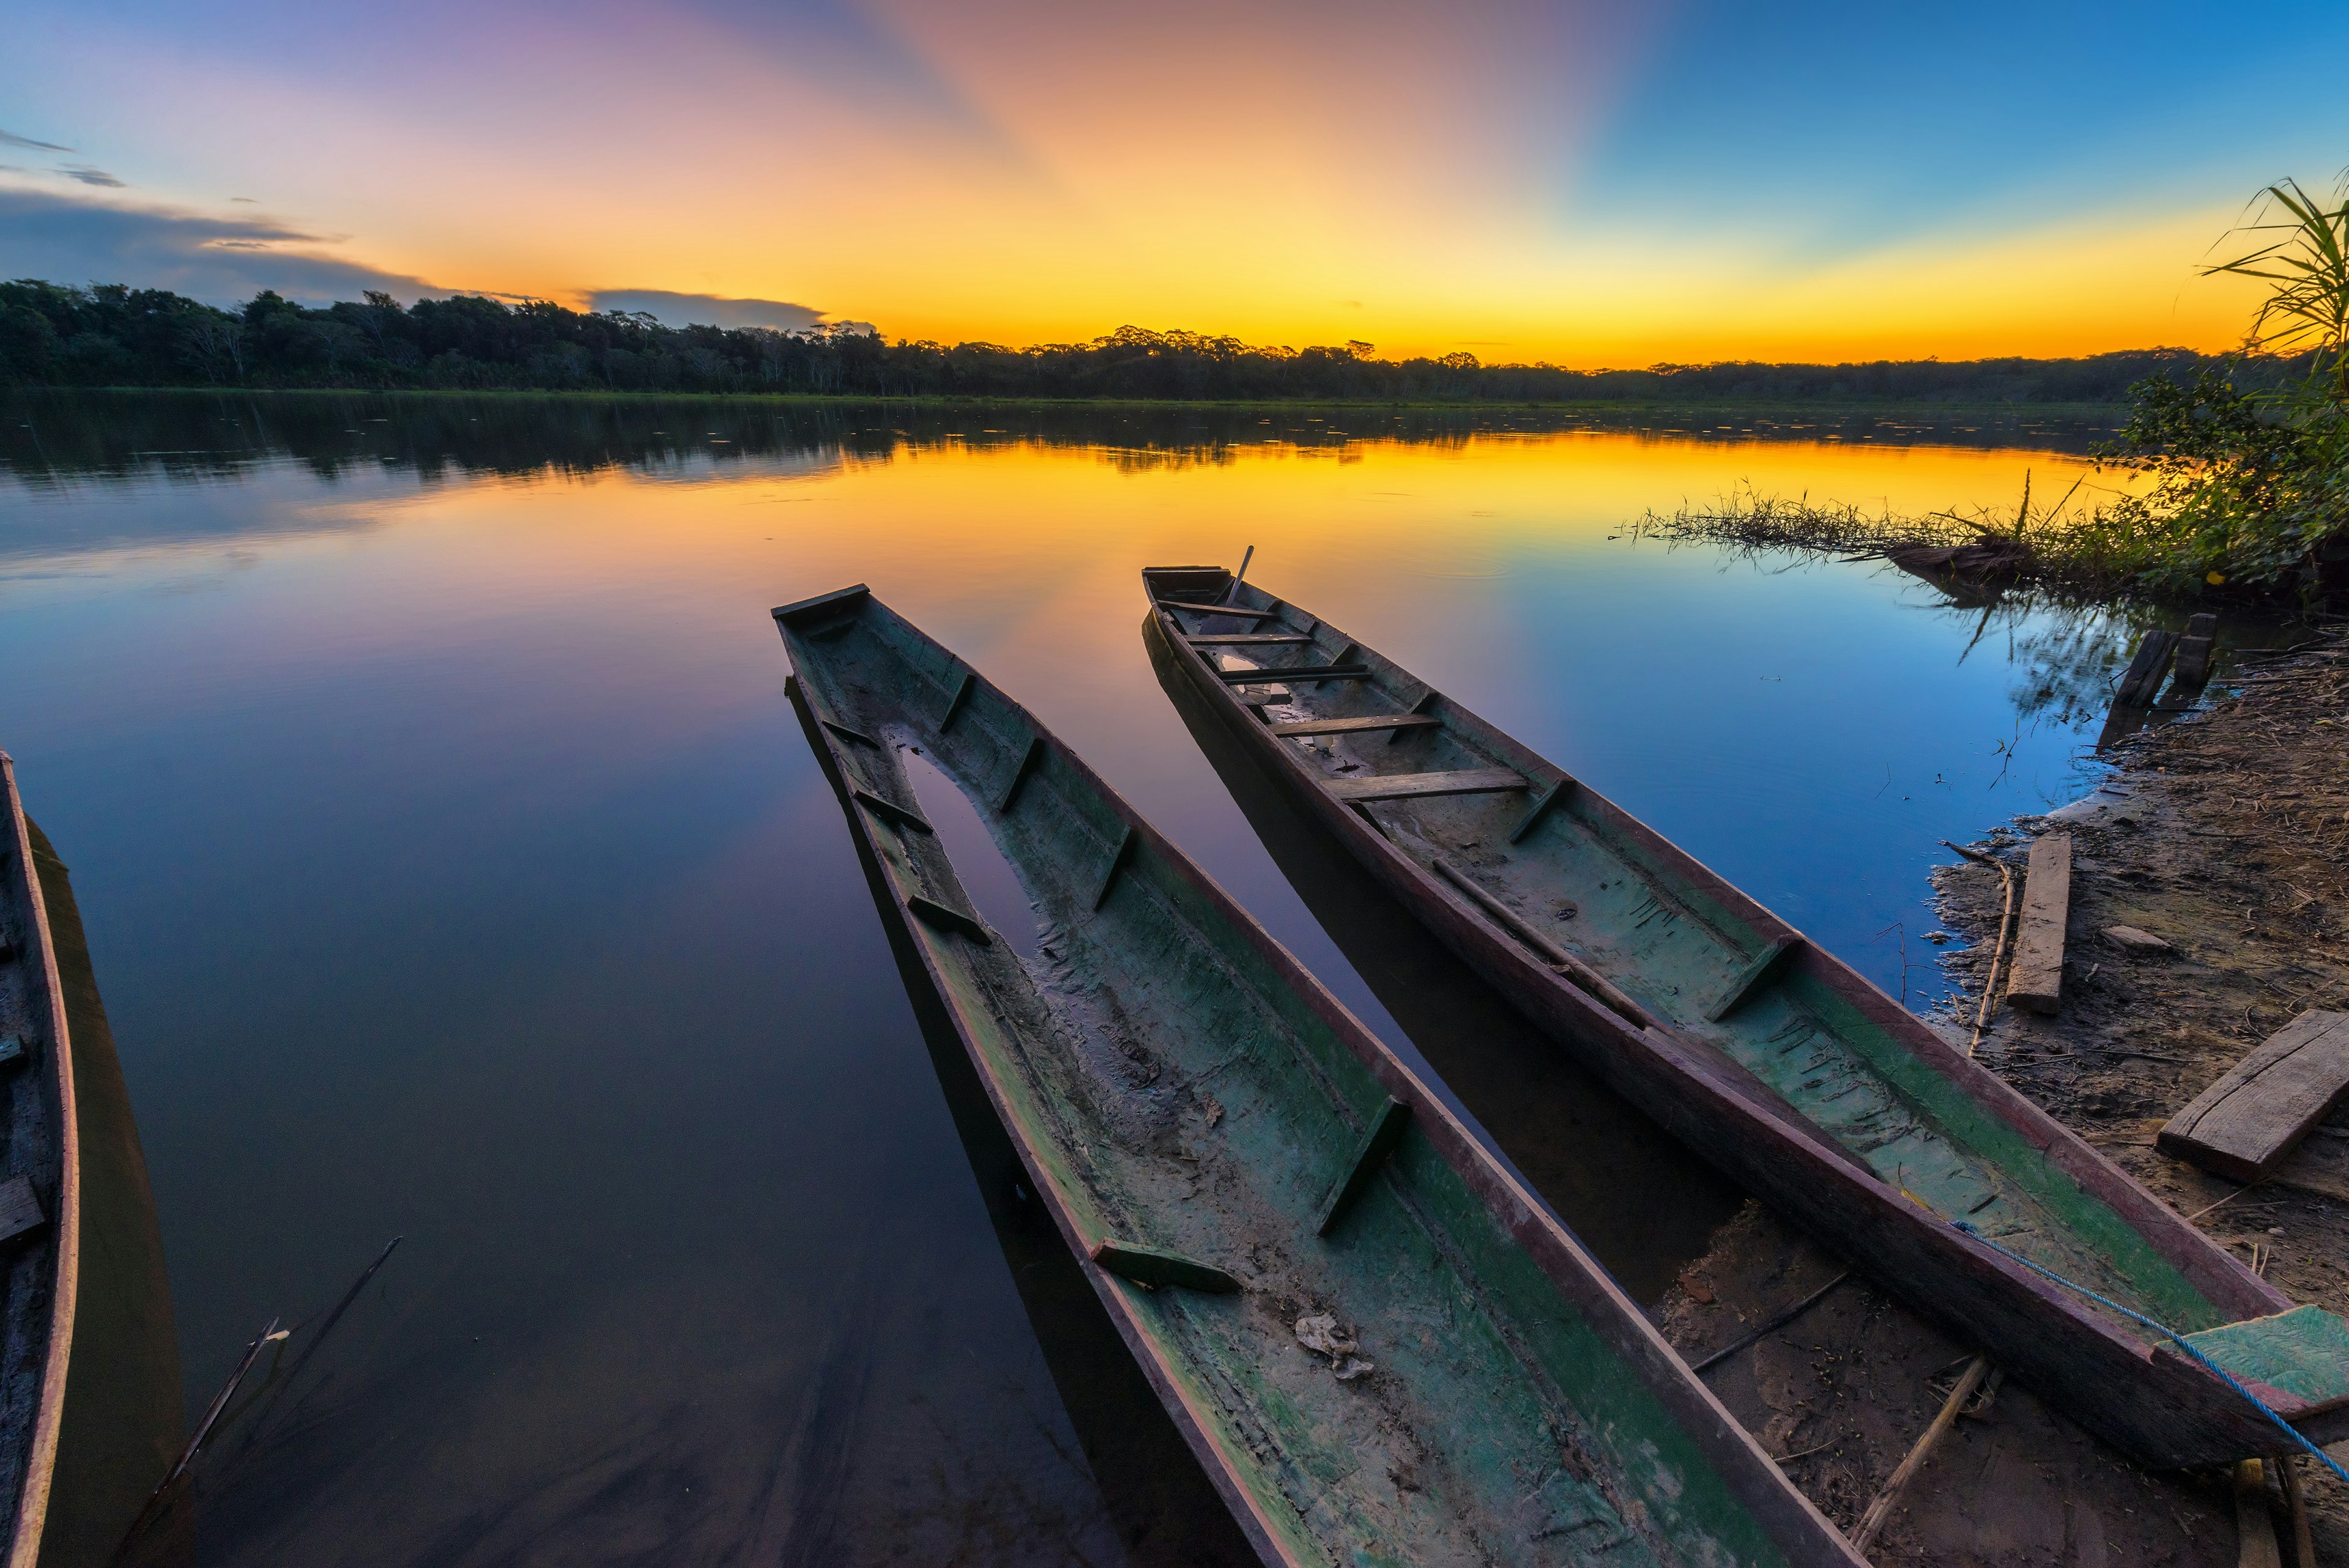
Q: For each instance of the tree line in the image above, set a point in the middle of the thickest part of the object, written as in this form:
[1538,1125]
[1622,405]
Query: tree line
[111,335]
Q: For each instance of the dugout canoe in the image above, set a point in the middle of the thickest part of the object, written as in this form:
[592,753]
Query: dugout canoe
[1800,1079]
[40,1203]
[1248,1173]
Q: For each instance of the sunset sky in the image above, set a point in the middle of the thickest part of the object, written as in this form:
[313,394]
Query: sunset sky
[1583,182]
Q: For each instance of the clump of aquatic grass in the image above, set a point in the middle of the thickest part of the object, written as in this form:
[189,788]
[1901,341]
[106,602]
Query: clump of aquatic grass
[2047,538]
[1746,517]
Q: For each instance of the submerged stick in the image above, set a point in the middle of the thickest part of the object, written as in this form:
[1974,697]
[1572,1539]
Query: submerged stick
[1871,1524]
[171,1478]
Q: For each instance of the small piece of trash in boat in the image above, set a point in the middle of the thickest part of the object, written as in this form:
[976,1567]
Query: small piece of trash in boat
[1215,1110]
[287,1333]
[1318,1331]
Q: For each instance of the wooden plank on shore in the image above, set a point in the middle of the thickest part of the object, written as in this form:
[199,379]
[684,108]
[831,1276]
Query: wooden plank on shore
[1420,785]
[2143,677]
[2247,1123]
[2036,980]
[1355,725]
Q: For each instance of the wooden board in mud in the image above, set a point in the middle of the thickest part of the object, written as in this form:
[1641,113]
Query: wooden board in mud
[1381,1348]
[1768,1056]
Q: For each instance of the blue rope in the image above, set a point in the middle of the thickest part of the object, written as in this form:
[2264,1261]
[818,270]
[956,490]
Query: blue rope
[2176,1338]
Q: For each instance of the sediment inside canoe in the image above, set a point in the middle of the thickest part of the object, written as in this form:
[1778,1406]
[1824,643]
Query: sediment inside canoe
[1173,1088]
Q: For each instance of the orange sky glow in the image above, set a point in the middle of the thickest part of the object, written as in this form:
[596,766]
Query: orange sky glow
[1512,179]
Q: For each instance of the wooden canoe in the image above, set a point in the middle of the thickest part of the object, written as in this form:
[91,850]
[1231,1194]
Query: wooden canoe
[1246,1170]
[40,1180]
[1801,1080]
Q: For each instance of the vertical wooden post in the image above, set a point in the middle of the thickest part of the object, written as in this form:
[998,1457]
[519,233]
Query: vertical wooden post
[2254,1525]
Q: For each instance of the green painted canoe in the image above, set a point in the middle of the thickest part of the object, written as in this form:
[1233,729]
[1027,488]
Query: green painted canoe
[1801,1080]
[1381,1347]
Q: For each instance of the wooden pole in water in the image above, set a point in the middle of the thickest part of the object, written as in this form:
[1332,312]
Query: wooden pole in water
[1233,592]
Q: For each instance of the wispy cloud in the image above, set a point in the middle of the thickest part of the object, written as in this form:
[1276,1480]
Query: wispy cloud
[72,239]
[10,139]
[706,310]
[89,176]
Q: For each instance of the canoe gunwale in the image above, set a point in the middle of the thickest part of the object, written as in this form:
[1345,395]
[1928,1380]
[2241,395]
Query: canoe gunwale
[2172,1413]
[1750,1475]
[55,1066]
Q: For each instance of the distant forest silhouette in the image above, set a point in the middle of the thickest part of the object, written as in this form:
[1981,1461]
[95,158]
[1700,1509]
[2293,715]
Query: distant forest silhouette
[111,335]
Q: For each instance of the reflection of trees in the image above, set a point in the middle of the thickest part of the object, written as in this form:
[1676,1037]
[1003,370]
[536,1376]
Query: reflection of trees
[53,435]
[2067,654]
[2064,655]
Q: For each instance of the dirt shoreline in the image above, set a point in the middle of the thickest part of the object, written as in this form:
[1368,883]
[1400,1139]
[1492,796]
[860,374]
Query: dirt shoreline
[2224,834]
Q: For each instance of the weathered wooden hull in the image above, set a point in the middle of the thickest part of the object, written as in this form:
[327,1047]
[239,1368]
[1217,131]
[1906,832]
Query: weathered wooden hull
[40,1197]
[1177,1086]
[1635,982]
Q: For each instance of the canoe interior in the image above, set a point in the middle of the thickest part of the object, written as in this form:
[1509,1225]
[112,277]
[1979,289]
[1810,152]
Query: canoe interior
[36,1261]
[1681,943]
[1174,1081]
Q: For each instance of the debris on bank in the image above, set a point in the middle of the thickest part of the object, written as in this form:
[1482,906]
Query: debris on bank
[2208,908]
[2208,916]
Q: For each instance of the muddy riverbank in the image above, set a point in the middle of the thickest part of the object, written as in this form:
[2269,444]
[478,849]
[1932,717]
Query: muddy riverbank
[2223,834]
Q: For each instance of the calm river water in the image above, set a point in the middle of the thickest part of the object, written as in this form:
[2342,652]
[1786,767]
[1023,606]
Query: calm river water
[456,870]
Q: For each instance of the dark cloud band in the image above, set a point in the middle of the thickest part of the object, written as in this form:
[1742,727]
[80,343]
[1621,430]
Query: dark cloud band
[70,239]
[706,310]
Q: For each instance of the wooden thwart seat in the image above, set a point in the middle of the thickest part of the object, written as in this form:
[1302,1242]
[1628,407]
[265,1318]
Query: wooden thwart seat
[1355,725]
[1419,786]
[1246,639]
[1221,610]
[1298,673]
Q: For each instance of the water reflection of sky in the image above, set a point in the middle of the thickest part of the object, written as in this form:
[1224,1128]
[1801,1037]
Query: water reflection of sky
[455,868]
